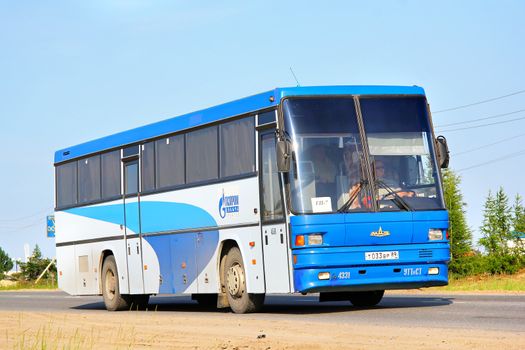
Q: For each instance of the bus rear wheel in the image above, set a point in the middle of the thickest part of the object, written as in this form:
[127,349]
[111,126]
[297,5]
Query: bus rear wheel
[363,299]
[234,280]
[113,300]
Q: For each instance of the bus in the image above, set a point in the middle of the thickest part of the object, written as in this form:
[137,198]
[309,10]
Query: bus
[333,190]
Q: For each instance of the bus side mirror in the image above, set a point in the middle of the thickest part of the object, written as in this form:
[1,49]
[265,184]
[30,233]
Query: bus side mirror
[283,156]
[443,155]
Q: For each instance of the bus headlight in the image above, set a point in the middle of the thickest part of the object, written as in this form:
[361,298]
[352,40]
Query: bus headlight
[315,239]
[435,234]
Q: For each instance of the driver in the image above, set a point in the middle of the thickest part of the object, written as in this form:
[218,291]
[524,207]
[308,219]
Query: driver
[389,177]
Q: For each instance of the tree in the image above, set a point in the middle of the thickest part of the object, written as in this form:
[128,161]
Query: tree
[460,234]
[518,224]
[518,220]
[496,223]
[497,234]
[35,266]
[6,264]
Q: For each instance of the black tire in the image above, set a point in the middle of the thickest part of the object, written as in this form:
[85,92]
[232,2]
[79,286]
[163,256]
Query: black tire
[113,300]
[234,280]
[205,300]
[139,301]
[364,299]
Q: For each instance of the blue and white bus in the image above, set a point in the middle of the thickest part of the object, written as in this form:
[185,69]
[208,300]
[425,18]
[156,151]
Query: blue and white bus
[333,190]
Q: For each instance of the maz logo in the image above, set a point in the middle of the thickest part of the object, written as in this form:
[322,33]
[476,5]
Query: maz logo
[380,233]
[228,204]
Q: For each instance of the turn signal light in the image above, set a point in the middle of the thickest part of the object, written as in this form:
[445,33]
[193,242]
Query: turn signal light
[299,240]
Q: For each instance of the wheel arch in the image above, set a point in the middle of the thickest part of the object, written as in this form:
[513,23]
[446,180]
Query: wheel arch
[103,255]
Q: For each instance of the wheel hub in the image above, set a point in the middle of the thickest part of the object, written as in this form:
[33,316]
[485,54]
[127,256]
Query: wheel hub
[235,280]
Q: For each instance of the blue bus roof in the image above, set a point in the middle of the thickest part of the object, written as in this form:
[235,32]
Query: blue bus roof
[216,113]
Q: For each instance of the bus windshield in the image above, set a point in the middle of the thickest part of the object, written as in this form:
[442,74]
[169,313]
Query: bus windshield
[328,167]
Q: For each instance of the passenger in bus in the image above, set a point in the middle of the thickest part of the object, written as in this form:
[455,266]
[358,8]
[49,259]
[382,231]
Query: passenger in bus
[351,169]
[325,169]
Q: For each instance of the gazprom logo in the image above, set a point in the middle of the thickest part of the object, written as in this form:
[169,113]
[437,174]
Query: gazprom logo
[228,204]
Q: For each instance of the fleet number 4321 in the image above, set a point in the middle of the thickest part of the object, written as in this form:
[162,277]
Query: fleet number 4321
[343,275]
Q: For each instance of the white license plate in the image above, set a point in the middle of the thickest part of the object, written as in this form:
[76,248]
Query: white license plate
[392,255]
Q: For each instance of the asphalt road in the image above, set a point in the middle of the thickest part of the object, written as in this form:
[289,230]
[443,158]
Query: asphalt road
[479,312]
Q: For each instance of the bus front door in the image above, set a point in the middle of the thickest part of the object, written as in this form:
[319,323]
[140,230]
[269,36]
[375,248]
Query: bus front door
[273,224]
[133,232]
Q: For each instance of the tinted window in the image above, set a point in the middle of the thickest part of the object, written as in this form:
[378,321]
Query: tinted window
[170,161]
[148,166]
[202,156]
[110,174]
[272,205]
[89,179]
[131,176]
[66,180]
[237,147]
[266,117]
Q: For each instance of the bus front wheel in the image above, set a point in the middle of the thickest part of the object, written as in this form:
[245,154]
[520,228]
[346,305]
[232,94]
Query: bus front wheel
[234,279]
[363,299]
[113,300]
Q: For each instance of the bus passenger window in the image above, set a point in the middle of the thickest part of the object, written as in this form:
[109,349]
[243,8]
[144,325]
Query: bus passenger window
[66,183]
[110,174]
[89,179]
[148,166]
[202,161]
[170,167]
[237,147]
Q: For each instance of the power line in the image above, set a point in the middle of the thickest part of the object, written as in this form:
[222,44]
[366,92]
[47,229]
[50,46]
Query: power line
[487,145]
[479,102]
[480,119]
[18,229]
[512,155]
[41,212]
[482,125]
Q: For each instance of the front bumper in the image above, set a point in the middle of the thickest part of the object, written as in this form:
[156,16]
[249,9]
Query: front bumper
[349,271]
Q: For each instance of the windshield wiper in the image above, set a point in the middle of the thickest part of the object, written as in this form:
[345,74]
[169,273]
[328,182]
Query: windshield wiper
[362,184]
[400,202]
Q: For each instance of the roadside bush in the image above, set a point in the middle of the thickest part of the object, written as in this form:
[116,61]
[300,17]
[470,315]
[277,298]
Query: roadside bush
[34,267]
[469,265]
[6,264]
[503,264]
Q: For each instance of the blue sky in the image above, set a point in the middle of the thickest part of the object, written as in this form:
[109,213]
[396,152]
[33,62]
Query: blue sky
[71,71]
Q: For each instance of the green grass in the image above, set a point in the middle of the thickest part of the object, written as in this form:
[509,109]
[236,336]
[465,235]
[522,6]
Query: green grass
[42,285]
[485,283]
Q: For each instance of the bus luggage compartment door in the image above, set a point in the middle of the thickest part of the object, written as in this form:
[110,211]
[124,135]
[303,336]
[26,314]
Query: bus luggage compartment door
[275,252]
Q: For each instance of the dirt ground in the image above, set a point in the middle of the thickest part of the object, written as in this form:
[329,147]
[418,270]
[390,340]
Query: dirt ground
[156,330]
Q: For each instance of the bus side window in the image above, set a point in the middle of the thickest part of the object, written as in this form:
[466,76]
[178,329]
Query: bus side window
[131,173]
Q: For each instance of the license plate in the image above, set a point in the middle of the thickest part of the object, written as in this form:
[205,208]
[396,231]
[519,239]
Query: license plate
[392,255]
